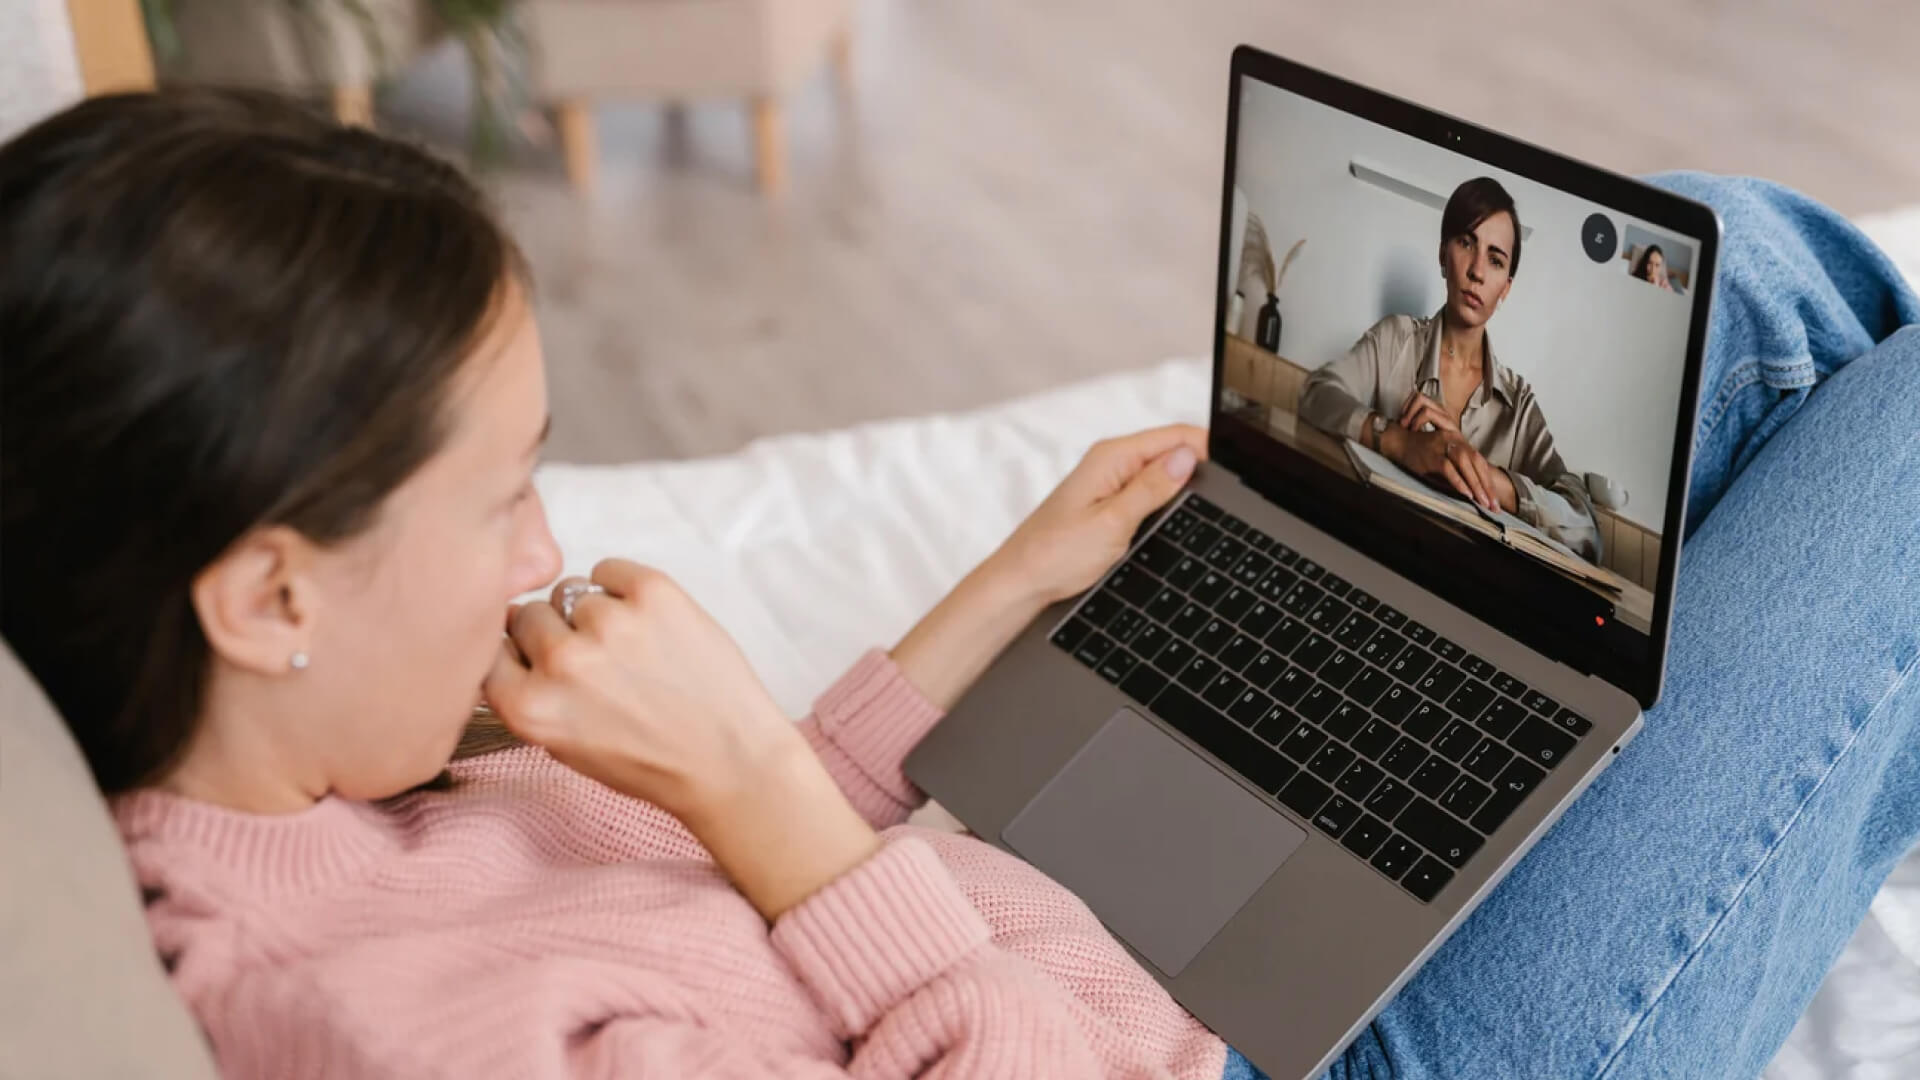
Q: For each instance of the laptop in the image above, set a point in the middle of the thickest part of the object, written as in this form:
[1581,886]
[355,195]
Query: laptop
[1323,705]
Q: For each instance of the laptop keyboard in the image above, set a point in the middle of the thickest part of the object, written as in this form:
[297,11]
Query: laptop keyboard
[1401,745]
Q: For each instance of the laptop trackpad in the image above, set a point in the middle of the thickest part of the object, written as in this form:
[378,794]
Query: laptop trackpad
[1158,843]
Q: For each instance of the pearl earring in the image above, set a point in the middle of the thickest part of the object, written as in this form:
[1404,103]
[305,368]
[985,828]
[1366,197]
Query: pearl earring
[298,661]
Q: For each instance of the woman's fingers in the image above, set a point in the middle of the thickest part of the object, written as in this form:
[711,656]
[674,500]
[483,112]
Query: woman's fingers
[537,629]
[1453,477]
[1461,456]
[1111,463]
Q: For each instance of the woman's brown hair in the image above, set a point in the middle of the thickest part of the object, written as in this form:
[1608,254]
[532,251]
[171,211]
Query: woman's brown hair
[1475,201]
[218,312]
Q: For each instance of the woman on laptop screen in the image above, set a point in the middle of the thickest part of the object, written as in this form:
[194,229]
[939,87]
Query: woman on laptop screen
[1429,394]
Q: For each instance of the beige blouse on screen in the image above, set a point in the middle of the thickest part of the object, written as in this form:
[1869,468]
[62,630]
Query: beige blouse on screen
[1502,419]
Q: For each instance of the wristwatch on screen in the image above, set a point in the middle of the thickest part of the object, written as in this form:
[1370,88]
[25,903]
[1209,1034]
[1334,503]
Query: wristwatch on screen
[1379,425]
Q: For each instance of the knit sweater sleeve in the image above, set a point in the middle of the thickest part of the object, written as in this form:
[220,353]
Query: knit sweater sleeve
[863,727]
[903,966]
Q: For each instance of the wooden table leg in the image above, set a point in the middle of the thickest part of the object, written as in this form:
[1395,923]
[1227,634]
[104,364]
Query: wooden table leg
[770,145]
[574,118]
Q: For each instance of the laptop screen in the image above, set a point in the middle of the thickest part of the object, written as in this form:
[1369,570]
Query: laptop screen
[1501,357]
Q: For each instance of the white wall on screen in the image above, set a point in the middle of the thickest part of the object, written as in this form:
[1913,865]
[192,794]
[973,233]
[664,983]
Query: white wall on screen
[1604,353]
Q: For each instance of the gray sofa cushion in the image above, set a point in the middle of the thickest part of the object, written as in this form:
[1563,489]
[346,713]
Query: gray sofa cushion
[81,991]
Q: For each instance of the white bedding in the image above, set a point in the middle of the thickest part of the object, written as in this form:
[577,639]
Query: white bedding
[810,548]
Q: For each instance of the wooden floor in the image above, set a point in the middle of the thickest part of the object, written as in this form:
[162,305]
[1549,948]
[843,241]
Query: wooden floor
[1020,193]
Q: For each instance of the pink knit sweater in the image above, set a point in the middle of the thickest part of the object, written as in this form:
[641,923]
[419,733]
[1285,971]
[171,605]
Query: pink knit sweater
[533,923]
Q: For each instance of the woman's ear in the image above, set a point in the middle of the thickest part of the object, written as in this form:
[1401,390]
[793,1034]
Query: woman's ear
[255,601]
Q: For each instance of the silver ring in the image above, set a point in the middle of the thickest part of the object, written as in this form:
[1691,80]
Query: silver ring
[570,594]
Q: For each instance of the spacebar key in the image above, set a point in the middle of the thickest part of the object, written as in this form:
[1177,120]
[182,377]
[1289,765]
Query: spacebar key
[1223,738]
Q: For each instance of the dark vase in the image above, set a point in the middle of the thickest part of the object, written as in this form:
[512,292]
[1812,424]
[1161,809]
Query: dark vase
[1267,334]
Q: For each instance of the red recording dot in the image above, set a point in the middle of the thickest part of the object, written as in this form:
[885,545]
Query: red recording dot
[1598,621]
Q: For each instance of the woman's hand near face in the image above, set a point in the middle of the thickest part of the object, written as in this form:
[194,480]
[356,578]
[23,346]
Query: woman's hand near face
[648,695]
[1080,530]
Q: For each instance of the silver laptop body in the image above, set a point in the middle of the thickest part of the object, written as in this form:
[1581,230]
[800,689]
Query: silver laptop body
[1284,837]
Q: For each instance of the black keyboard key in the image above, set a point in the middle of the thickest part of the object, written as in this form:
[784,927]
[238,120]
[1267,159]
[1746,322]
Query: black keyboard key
[1274,584]
[1340,669]
[1487,759]
[1224,690]
[1572,722]
[1259,542]
[1374,738]
[1427,825]
[1212,636]
[1158,554]
[1284,638]
[1200,538]
[1390,617]
[1309,569]
[1233,526]
[1541,742]
[1464,797]
[1336,586]
[1365,836]
[1447,650]
[1210,587]
[1389,798]
[1205,509]
[1476,667]
[1318,703]
[1248,709]
[1382,647]
[1426,879]
[1303,742]
[1359,780]
[1225,553]
[1502,717]
[1291,685]
[1455,740]
[1234,604]
[1438,683]
[1515,783]
[1363,600]
[1071,633]
[1100,607]
[1149,641]
[1198,673]
[1222,738]
[1345,721]
[1394,856]
[1185,572]
[1355,631]
[1330,762]
[1265,667]
[1165,605]
[1367,687]
[1126,625]
[1540,703]
[1174,657]
[1425,721]
[1312,652]
[1094,649]
[1412,663]
[1473,696]
[1142,683]
[1178,524]
[1433,777]
[1301,598]
[1304,794]
[1132,584]
[1418,633]
[1275,723]
[1239,652]
[1327,615]
[1249,569]
[1118,664]
[1508,685]
[1404,757]
[1336,816]
[1189,619]
[1396,703]
[1260,618]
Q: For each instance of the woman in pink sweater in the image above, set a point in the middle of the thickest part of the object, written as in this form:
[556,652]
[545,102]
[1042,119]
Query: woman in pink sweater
[273,398]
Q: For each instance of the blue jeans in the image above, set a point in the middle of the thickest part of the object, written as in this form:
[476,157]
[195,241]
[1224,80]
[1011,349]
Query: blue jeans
[1682,913]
